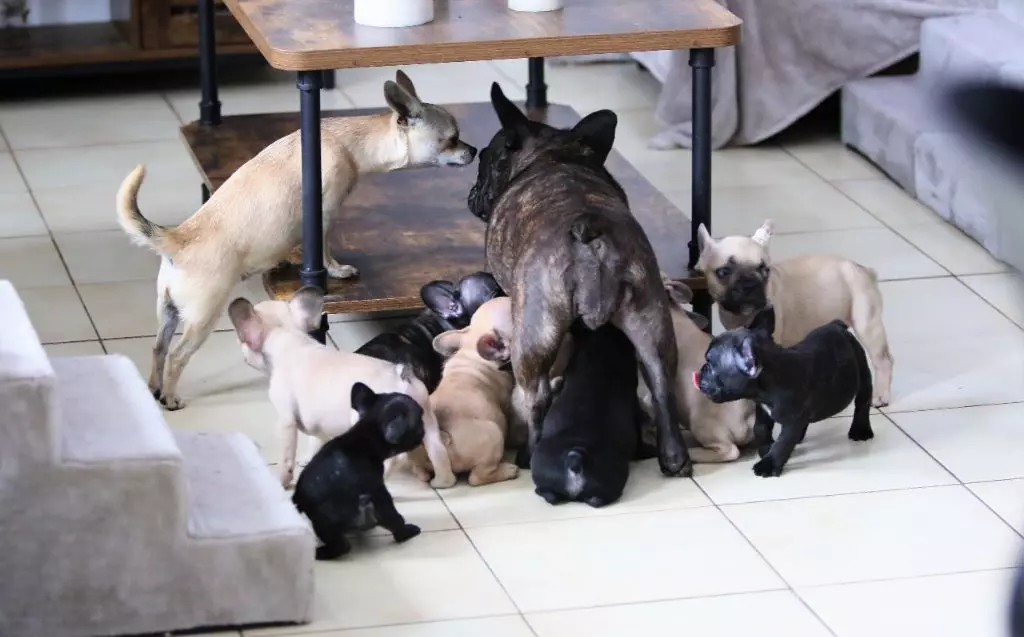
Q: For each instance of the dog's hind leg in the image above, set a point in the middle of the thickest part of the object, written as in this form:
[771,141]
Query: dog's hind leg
[167,315]
[866,319]
[860,428]
[436,450]
[199,321]
[715,452]
[651,333]
[332,535]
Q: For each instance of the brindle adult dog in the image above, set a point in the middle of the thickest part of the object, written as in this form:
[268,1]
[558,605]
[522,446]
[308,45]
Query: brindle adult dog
[562,242]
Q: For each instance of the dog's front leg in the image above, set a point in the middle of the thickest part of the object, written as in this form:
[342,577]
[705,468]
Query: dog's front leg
[764,424]
[771,464]
[389,517]
[288,430]
[436,451]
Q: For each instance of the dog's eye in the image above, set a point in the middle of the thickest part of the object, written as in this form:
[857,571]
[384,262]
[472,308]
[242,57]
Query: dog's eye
[763,269]
[723,272]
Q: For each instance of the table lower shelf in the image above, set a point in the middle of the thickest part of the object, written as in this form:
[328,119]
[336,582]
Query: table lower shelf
[406,228]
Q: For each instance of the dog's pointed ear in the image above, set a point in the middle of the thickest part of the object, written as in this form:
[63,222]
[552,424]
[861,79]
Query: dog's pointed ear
[447,343]
[403,81]
[704,238]
[492,347]
[405,104]
[362,398]
[678,292]
[306,307]
[247,323]
[748,358]
[597,131]
[764,233]
[764,321]
[478,288]
[513,121]
[443,299]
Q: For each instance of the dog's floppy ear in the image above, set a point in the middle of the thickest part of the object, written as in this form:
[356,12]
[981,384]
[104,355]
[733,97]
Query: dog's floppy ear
[247,323]
[513,121]
[362,398]
[704,238]
[443,299]
[492,347]
[597,131]
[678,292]
[307,307]
[447,343]
[403,81]
[764,233]
[401,101]
[764,321]
[478,288]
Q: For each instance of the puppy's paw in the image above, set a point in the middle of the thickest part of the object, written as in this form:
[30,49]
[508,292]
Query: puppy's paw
[421,472]
[766,468]
[508,471]
[171,403]
[596,502]
[286,476]
[407,532]
[550,496]
[332,551]
[860,432]
[676,465]
[338,271]
[443,482]
[881,400]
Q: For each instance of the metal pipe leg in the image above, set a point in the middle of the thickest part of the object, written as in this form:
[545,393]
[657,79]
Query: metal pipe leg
[536,89]
[701,61]
[209,104]
[312,271]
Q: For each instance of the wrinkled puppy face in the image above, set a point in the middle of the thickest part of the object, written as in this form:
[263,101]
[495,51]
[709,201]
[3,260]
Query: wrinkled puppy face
[398,417]
[456,304]
[253,324]
[431,132]
[737,269]
[732,366]
[485,339]
[520,140]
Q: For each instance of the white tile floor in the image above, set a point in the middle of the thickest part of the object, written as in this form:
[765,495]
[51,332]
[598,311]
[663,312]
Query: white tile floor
[914,533]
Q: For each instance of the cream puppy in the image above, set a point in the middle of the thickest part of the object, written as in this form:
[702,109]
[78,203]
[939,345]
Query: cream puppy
[474,397]
[310,383]
[806,291]
[254,219]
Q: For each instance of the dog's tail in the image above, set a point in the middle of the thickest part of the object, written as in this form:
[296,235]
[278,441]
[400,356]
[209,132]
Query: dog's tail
[574,480]
[599,270]
[141,230]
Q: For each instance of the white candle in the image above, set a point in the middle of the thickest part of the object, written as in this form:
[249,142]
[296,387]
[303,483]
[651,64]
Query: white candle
[393,13]
[535,5]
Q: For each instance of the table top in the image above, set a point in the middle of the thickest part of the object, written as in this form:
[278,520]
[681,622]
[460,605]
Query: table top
[310,35]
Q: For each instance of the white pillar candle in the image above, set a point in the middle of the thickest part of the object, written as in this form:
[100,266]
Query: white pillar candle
[393,13]
[535,5]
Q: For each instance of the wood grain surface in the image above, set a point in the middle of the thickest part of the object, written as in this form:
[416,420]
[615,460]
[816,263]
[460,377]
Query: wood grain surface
[309,35]
[406,228]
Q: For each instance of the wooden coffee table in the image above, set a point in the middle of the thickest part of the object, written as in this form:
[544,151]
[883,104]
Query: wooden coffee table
[406,228]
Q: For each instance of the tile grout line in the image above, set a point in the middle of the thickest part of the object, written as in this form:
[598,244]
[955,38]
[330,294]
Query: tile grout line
[56,247]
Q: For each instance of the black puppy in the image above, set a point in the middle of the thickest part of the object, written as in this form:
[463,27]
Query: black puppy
[592,430]
[449,307]
[815,379]
[342,488]
[563,243]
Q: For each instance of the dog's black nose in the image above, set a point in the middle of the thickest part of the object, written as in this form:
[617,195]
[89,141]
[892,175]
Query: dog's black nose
[472,152]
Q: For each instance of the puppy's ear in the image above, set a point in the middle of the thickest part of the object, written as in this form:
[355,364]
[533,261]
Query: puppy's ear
[513,121]
[447,343]
[247,323]
[764,233]
[406,104]
[492,347]
[597,131]
[697,319]
[307,307]
[764,321]
[704,239]
[748,359]
[443,299]
[477,289]
[678,292]
[362,399]
[403,81]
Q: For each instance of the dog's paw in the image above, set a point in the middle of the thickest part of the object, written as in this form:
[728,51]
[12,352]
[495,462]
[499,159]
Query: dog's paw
[676,465]
[596,502]
[766,468]
[550,496]
[286,476]
[338,271]
[860,432]
[881,400]
[407,532]
[443,482]
[332,551]
[422,473]
[508,471]
[171,403]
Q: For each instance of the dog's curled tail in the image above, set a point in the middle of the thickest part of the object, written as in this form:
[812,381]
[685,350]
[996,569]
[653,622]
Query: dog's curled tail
[598,269]
[141,230]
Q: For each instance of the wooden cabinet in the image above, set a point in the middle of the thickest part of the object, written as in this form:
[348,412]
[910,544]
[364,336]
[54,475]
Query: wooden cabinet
[173,24]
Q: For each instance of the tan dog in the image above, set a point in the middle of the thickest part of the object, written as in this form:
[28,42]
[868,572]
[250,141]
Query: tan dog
[310,383]
[719,429]
[250,223]
[472,401]
[806,291]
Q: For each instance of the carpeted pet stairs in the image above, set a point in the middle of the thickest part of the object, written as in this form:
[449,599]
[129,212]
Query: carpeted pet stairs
[112,524]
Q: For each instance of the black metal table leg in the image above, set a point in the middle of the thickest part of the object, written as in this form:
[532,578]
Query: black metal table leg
[209,104]
[536,89]
[312,271]
[701,61]
[328,83]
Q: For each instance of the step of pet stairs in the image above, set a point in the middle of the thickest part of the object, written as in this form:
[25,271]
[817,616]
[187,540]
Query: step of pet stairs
[978,45]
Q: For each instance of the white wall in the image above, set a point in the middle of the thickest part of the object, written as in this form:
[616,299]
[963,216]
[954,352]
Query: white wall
[68,11]
[1013,9]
